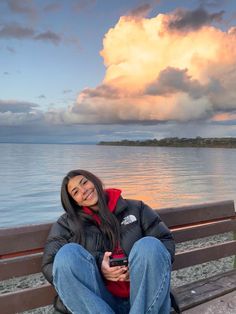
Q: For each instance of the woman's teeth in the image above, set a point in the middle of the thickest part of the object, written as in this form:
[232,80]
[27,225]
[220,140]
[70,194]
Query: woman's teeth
[89,196]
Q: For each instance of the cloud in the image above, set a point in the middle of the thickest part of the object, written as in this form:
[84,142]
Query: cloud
[67,91]
[161,75]
[17,31]
[54,133]
[183,19]
[49,36]
[104,91]
[154,76]
[11,49]
[15,106]
[172,80]
[228,118]
[142,109]
[41,96]
[26,7]
[19,119]
[19,113]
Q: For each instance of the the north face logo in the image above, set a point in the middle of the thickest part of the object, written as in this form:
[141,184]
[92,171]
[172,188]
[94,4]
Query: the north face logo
[128,220]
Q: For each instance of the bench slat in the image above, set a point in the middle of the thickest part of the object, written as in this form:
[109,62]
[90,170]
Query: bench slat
[20,266]
[204,290]
[199,256]
[26,238]
[30,298]
[179,216]
[201,231]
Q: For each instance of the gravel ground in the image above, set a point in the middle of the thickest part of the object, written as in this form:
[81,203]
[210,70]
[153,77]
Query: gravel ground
[180,277]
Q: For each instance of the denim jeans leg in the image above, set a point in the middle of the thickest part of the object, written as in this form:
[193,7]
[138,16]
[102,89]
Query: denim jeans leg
[78,281]
[150,271]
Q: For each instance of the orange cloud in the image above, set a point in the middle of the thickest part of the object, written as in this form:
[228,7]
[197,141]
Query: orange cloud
[224,117]
[158,72]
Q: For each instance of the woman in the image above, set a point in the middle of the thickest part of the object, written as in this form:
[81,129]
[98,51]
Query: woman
[99,225]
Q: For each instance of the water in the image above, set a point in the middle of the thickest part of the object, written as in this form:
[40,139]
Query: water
[31,176]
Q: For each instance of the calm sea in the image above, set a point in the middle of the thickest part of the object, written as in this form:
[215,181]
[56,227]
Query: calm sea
[31,176]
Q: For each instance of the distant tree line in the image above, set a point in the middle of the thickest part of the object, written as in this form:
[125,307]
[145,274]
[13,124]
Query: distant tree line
[225,142]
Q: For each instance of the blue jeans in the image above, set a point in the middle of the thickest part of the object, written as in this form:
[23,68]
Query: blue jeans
[80,286]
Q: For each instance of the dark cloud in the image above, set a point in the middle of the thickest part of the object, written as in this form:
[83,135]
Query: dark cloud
[15,106]
[11,49]
[172,80]
[104,91]
[22,7]
[67,91]
[49,36]
[191,20]
[141,11]
[15,31]
[41,96]
[6,73]
[19,113]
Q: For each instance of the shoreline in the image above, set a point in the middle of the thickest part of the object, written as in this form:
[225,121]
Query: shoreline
[211,142]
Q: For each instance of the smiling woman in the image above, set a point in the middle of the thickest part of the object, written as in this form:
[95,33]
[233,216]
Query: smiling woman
[106,252]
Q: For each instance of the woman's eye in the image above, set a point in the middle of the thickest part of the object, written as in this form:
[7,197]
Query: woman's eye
[85,181]
[75,193]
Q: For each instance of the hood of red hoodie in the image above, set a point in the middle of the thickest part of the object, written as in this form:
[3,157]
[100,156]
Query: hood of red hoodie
[112,196]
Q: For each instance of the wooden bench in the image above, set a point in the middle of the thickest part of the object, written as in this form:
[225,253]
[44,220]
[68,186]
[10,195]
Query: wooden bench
[21,253]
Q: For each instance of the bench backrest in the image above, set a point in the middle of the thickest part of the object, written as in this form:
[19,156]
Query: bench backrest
[21,248]
[200,221]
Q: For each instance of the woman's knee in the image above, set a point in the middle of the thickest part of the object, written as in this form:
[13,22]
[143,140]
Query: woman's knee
[150,248]
[69,256]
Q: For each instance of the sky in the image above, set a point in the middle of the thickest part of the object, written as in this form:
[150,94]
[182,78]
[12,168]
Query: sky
[84,71]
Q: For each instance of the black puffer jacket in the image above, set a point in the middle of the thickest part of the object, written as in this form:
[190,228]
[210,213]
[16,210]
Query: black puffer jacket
[142,221]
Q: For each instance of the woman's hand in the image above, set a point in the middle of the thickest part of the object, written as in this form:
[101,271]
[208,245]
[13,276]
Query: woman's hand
[117,273]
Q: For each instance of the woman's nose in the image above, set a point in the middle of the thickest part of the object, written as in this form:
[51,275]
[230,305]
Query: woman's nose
[82,189]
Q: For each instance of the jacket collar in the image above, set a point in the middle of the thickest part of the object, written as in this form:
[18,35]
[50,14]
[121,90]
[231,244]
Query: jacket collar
[120,206]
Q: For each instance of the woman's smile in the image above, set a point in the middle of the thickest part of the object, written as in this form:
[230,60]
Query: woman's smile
[90,195]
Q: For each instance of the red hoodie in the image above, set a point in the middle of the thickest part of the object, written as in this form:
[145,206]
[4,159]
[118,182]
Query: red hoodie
[117,288]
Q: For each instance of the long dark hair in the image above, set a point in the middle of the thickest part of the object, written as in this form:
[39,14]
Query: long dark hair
[109,225]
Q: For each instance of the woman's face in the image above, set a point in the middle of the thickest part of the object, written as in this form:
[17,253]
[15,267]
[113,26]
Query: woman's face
[83,191]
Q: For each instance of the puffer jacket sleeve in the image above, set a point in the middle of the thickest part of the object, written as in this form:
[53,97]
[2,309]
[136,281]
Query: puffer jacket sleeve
[57,237]
[152,225]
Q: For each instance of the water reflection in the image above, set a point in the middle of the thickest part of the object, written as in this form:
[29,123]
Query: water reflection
[162,177]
